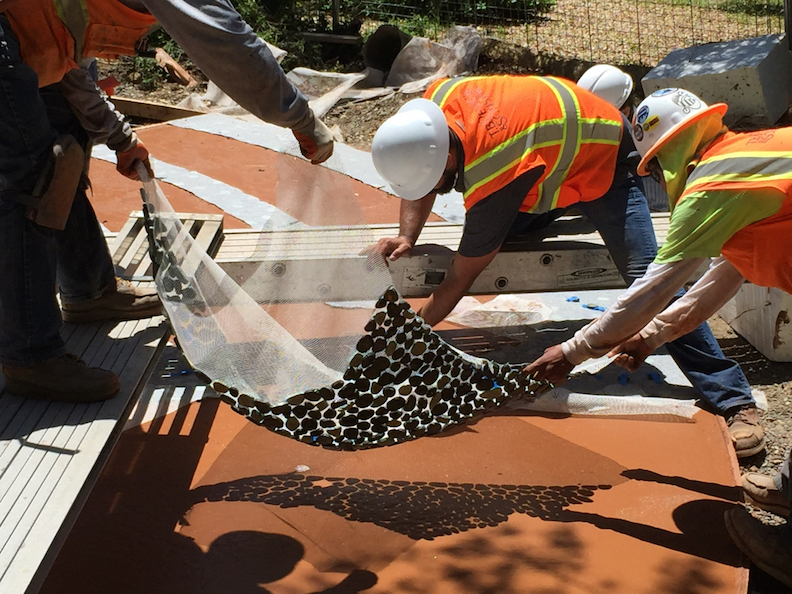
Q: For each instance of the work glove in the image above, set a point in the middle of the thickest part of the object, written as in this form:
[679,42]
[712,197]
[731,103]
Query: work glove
[316,140]
[126,160]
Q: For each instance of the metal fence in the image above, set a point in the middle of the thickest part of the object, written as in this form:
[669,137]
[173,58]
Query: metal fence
[638,32]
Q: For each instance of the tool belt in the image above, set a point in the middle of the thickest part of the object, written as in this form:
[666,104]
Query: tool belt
[52,198]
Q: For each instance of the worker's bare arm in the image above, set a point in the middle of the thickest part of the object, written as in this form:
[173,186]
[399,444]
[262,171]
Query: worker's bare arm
[463,273]
[412,217]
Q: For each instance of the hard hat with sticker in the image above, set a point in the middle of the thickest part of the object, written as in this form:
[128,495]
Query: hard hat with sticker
[642,114]
[662,115]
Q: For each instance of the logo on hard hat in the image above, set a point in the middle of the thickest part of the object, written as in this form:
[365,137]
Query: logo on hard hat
[642,114]
[651,123]
[638,132]
[663,92]
[687,101]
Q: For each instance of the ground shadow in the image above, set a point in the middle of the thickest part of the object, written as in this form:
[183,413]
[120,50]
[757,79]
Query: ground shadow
[429,510]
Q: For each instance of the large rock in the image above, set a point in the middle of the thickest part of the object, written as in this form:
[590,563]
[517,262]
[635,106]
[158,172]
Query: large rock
[754,76]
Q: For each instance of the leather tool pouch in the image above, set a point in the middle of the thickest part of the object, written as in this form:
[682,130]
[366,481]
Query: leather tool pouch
[52,198]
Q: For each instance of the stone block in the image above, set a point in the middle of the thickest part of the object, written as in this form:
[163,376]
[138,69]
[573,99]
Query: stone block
[753,76]
[761,315]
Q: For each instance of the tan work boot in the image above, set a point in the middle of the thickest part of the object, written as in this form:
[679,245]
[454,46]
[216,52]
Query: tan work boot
[746,433]
[124,301]
[768,547]
[65,379]
[761,491]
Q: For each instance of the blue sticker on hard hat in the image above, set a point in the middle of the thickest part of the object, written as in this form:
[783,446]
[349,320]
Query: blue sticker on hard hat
[642,114]
[687,101]
[651,123]
[662,92]
[638,133]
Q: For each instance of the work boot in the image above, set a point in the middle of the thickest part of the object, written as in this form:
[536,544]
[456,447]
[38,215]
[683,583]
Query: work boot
[121,301]
[768,547]
[746,433]
[761,491]
[65,379]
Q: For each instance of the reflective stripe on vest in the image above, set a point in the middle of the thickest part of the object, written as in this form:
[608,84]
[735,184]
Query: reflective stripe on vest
[567,132]
[742,167]
[74,14]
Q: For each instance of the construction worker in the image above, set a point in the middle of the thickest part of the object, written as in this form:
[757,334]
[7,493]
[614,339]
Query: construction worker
[731,199]
[51,237]
[522,149]
[611,84]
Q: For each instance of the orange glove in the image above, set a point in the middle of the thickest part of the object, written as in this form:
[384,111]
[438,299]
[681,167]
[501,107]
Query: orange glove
[127,158]
[316,139]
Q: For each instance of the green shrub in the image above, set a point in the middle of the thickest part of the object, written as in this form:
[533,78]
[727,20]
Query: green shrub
[753,8]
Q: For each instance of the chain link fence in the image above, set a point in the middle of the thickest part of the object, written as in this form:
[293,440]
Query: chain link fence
[640,32]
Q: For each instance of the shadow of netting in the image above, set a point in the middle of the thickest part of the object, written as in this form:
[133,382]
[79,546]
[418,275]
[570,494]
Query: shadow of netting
[419,510]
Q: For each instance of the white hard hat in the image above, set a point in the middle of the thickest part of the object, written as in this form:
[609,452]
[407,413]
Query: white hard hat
[662,115]
[607,82]
[410,149]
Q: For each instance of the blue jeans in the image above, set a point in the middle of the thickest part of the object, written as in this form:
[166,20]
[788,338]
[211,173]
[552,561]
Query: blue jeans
[34,260]
[622,218]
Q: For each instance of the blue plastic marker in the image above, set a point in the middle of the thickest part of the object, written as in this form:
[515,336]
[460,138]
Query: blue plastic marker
[573,299]
[593,306]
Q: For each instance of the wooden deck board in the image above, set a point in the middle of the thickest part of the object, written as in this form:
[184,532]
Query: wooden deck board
[325,263]
[51,453]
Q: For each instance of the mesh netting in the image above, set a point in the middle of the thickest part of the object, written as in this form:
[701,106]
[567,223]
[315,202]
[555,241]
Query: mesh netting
[312,341]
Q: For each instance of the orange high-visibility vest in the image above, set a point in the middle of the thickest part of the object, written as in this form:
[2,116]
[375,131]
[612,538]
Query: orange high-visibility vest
[55,35]
[509,125]
[754,160]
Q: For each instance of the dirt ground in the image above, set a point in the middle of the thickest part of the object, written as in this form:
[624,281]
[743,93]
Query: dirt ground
[356,124]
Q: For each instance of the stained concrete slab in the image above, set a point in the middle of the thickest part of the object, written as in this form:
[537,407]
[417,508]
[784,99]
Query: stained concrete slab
[200,500]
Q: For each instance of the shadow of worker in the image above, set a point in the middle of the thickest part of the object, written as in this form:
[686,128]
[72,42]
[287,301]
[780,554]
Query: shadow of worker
[241,561]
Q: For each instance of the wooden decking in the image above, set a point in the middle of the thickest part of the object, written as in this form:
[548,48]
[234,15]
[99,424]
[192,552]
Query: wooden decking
[51,453]
[568,255]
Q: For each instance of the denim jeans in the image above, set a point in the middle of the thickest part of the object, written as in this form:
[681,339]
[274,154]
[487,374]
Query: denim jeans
[623,220]
[35,260]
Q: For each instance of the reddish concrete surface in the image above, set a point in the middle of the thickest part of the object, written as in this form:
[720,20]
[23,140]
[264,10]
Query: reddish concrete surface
[288,182]
[115,196]
[203,501]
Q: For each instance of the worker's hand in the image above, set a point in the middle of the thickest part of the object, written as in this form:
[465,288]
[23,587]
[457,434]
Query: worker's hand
[631,353]
[552,366]
[391,248]
[126,160]
[316,139]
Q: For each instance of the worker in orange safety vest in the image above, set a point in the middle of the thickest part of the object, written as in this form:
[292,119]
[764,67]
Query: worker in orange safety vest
[521,150]
[50,111]
[731,199]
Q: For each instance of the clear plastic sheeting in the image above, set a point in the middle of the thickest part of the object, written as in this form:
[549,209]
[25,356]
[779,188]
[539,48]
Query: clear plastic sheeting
[562,401]
[278,348]
[220,328]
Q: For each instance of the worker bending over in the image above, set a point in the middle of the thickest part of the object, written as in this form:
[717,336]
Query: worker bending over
[731,199]
[521,150]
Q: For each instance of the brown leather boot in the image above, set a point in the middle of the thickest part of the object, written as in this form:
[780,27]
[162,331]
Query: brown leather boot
[746,433]
[768,547]
[65,379]
[122,301]
[760,490]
